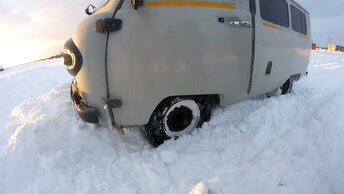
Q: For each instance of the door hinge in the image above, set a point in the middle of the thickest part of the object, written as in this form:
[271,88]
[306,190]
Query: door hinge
[136,3]
[113,103]
[108,25]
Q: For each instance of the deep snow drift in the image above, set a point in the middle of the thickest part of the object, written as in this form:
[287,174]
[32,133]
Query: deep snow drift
[287,144]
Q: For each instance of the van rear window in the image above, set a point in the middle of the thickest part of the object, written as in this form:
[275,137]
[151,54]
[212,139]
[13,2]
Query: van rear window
[275,11]
[298,20]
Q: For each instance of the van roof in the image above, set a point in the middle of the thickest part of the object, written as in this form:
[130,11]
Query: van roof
[298,5]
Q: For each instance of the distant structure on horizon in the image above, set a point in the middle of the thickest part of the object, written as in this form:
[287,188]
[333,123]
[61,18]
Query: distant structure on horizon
[331,47]
[314,46]
[340,48]
[335,48]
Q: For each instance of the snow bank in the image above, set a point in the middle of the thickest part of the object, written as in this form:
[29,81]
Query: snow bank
[286,144]
[28,81]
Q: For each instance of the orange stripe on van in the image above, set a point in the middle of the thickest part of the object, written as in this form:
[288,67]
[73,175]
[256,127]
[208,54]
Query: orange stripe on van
[272,26]
[191,4]
[303,36]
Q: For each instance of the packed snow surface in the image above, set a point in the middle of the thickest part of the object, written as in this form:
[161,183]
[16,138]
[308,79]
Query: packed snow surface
[292,144]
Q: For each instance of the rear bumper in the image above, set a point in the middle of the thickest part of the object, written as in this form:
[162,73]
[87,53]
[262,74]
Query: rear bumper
[86,113]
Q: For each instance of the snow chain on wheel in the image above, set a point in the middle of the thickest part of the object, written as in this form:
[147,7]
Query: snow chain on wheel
[173,119]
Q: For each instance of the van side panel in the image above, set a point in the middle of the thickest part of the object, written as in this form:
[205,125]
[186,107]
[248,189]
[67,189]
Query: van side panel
[273,44]
[301,49]
[286,49]
[178,48]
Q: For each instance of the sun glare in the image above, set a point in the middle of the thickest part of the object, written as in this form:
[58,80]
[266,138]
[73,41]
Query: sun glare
[24,37]
[24,51]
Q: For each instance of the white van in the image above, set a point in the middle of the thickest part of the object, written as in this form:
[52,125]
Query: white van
[165,64]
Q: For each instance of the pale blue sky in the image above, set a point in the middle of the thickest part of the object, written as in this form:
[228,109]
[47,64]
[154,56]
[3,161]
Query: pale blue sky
[32,30]
[327,20]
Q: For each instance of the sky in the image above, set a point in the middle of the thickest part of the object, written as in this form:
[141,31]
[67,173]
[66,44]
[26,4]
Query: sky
[36,29]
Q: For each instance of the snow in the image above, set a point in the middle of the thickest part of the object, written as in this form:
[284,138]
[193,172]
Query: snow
[285,144]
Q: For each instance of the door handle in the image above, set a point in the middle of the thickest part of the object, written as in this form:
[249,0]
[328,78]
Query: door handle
[241,23]
[235,22]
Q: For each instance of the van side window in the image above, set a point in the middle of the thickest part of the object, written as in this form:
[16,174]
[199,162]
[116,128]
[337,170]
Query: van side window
[275,11]
[298,20]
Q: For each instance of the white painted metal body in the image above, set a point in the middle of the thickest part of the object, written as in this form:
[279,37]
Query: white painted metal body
[163,51]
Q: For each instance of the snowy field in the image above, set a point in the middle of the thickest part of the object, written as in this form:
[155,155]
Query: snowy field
[291,144]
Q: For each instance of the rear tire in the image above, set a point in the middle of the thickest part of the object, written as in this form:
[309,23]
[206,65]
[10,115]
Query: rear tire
[287,87]
[284,89]
[174,118]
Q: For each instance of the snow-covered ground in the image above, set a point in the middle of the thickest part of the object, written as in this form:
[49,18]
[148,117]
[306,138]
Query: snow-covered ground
[291,144]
